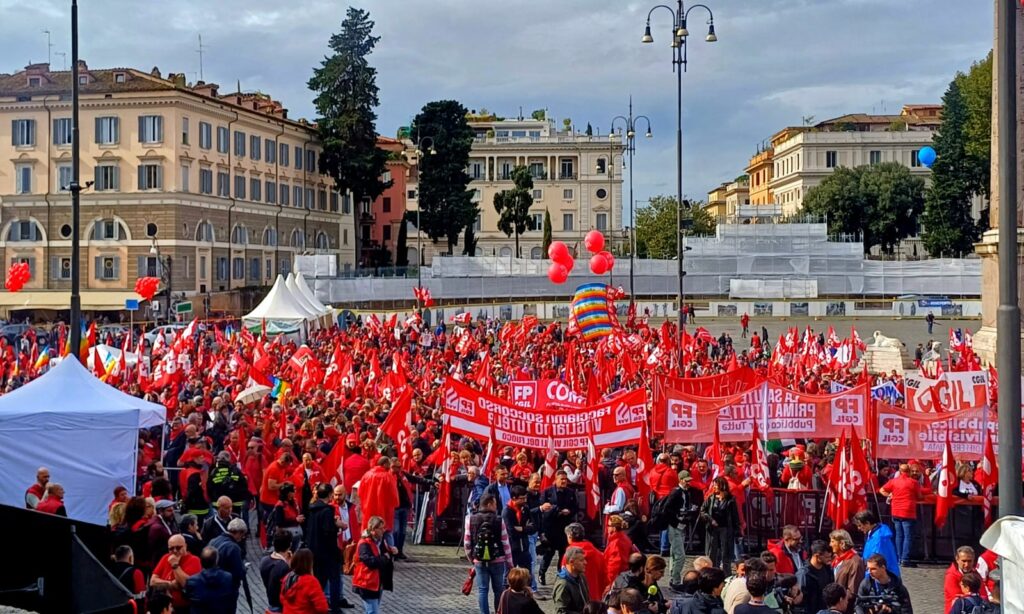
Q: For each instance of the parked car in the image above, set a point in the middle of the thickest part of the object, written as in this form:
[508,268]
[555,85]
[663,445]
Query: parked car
[167,331]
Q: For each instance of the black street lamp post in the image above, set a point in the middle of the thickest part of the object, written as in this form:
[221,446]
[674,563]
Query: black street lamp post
[630,124]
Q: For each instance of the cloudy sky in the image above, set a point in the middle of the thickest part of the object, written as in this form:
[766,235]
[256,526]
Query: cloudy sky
[776,61]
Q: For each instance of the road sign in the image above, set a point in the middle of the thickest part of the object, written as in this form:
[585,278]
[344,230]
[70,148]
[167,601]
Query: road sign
[183,307]
[131,304]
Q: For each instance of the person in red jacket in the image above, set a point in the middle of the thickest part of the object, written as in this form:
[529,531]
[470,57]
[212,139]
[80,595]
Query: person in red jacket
[301,593]
[904,493]
[378,496]
[616,553]
[595,571]
[787,553]
[54,501]
[372,574]
[664,480]
[355,464]
[965,561]
[34,494]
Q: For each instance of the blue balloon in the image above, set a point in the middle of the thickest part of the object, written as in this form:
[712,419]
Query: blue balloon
[926,156]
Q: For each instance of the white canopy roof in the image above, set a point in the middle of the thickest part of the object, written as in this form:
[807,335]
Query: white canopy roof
[289,283]
[280,305]
[84,431]
[300,283]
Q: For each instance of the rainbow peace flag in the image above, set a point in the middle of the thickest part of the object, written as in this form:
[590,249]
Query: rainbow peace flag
[590,310]
[280,389]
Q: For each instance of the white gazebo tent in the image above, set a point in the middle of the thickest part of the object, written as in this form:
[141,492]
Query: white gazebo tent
[84,431]
[281,311]
[317,314]
[300,283]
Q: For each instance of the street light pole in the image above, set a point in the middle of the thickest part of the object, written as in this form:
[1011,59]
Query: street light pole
[419,245]
[1008,313]
[630,123]
[679,60]
[76,190]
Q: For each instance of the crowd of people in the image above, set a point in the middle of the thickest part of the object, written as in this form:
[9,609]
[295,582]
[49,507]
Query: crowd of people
[309,470]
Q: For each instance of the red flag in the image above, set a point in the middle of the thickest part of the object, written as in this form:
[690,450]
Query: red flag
[988,475]
[714,454]
[860,475]
[333,464]
[947,483]
[547,473]
[733,364]
[593,482]
[645,462]
[97,363]
[759,477]
[838,504]
[491,456]
[444,487]
[396,425]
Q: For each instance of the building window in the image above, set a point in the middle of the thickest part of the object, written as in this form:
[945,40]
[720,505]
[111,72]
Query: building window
[284,194]
[270,151]
[254,147]
[185,178]
[222,269]
[238,268]
[602,166]
[830,159]
[239,186]
[63,178]
[151,230]
[386,204]
[107,178]
[286,266]
[271,192]
[239,235]
[334,201]
[120,77]
[537,170]
[254,268]
[538,194]
[23,178]
[309,198]
[310,160]
[478,223]
[62,268]
[223,185]
[346,204]
[270,236]
[506,171]
[298,239]
[321,198]
[205,135]
[410,195]
[222,139]
[205,180]
[283,151]
[204,232]
[151,129]
[538,220]
[298,158]
[255,189]
[567,170]
[567,221]
[269,272]
[567,194]
[322,242]
[62,131]
[23,132]
[915,161]
[535,253]
[386,236]
[875,156]
[240,144]
[476,170]
[35,81]
[601,221]
[24,230]
[297,194]
[184,131]
[344,236]
[601,193]
[203,273]
[108,130]
[107,268]
[109,230]
[151,177]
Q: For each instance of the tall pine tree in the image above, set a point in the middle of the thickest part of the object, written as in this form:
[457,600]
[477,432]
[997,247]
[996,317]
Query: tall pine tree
[546,240]
[402,244]
[513,206]
[346,99]
[948,228]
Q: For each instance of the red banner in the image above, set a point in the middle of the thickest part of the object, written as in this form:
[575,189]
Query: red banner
[721,385]
[906,434]
[955,391]
[612,422]
[781,414]
[544,394]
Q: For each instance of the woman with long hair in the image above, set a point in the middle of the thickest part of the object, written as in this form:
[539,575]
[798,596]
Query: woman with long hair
[722,521]
[616,553]
[517,598]
[374,567]
[301,593]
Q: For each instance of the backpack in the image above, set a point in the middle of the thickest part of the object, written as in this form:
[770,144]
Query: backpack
[983,606]
[661,514]
[487,545]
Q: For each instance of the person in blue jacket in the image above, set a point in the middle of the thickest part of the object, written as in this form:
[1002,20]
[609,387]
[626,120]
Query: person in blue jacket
[878,539]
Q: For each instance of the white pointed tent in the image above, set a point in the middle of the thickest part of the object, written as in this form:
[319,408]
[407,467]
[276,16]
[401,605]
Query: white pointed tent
[303,287]
[281,311]
[289,282]
[84,431]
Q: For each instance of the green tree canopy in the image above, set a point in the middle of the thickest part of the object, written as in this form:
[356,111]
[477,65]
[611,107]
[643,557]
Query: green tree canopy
[446,206]
[513,206]
[546,239]
[346,99]
[879,202]
[656,223]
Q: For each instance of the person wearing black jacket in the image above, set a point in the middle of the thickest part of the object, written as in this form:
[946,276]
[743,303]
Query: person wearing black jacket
[321,536]
[519,526]
[814,576]
[707,599]
[880,583]
[536,507]
[561,513]
[722,519]
[405,500]
[225,480]
[683,504]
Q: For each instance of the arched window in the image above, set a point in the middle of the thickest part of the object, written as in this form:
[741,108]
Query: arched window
[239,235]
[109,230]
[505,252]
[535,253]
[270,236]
[204,232]
[321,240]
[298,239]
[25,230]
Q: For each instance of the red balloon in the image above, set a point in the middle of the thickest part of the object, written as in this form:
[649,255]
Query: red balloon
[568,263]
[558,252]
[146,287]
[17,276]
[557,273]
[609,260]
[598,264]
[594,241]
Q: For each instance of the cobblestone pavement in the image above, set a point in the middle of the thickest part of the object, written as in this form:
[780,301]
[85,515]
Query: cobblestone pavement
[430,583]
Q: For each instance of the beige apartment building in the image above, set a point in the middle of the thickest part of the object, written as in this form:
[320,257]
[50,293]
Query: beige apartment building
[223,187]
[576,178]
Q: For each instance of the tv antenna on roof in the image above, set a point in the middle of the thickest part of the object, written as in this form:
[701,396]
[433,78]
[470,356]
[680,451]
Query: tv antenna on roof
[49,47]
[200,52]
[807,120]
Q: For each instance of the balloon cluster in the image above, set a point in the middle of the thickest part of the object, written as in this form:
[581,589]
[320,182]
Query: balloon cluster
[602,261]
[146,287]
[17,276]
[561,262]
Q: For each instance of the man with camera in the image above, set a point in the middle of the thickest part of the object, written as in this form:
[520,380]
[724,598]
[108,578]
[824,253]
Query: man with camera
[881,592]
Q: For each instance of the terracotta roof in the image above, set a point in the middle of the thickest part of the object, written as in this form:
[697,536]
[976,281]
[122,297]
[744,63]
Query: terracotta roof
[98,81]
